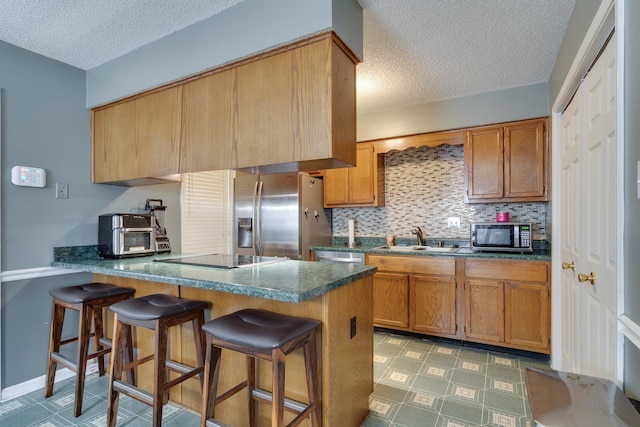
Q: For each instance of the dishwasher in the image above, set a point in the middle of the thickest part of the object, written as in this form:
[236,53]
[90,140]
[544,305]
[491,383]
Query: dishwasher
[340,257]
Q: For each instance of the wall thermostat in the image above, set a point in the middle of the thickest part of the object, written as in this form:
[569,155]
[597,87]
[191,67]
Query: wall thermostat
[28,176]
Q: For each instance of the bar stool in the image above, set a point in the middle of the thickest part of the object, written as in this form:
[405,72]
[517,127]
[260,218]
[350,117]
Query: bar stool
[268,336]
[89,300]
[157,312]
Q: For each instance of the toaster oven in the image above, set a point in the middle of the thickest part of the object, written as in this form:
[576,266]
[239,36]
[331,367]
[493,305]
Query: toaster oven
[125,235]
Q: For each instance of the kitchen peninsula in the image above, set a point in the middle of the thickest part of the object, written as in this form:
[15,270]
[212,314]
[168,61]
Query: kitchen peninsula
[339,296]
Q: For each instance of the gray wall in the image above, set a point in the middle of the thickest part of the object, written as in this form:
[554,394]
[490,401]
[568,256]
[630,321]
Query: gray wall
[240,31]
[25,317]
[632,204]
[579,23]
[45,124]
[493,107]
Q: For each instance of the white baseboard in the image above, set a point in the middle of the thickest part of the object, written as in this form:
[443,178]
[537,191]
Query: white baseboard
[39,383]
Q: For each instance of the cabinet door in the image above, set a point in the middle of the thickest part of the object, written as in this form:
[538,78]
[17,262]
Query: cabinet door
[433,305]
[391,300]
[483,162]
[524,159]
[358,186]
[362,185]
[138,139]
[527,318]
[207,103]
[484,303]
[159,117]
[336,187]
[113,135]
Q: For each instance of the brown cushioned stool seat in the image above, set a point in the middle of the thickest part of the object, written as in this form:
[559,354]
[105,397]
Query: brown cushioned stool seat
[268,336]
[159,313]
[88,299]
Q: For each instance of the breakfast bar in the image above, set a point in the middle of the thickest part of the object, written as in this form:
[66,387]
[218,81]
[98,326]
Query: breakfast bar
[338,296]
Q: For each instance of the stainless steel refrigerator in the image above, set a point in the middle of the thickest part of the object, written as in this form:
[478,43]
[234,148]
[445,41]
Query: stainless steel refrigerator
[279,215]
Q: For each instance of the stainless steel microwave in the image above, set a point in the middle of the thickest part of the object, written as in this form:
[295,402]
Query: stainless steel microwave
[501,236]
[125,235]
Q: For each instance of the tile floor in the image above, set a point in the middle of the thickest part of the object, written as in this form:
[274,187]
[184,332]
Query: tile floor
[421,382]
[418,382]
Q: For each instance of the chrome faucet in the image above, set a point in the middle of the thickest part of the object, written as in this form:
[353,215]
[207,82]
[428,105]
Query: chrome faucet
[421,235]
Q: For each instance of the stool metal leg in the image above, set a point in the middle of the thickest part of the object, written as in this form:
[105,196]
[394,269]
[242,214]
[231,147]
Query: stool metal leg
[55,337]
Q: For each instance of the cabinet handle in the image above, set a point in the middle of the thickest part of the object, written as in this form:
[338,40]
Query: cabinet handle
[566,265]
[591,278]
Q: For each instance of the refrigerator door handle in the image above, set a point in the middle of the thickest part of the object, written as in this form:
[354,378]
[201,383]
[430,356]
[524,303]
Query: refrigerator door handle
[257,212]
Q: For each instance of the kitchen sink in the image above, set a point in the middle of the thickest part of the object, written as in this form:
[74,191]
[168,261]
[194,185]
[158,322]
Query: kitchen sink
[417,249]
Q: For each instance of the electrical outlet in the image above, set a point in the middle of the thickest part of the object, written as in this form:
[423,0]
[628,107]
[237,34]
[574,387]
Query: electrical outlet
[352,327]
[62,191]
[453,222]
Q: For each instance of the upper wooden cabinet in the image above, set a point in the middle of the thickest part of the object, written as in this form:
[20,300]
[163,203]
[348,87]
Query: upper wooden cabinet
[137,141]
[207,124]
[358,186]
[287,110]
[294,110]
[507,163]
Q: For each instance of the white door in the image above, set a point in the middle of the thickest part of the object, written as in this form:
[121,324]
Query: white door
[570,244]
[589,229]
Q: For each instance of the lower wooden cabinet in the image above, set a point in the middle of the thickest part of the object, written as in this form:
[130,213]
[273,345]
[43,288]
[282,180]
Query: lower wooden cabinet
[502,302]
[415,294]
[391,300]
[508,303]
[433,305]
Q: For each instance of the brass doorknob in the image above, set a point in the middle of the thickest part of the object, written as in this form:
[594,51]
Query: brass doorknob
[591,278]
[566,265]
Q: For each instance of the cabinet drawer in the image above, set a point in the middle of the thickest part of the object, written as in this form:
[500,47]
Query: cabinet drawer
[435,265]
[505,270]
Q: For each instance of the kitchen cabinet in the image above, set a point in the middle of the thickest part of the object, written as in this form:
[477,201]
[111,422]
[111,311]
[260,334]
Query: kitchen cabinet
[433,305]
[391,300]
[416,294]
[358,186]
[290,109]
[207,118]
[507,162]
[137,141]
[507,303]
[287,111]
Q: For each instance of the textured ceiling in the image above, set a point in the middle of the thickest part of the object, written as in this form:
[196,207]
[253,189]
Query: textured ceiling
[415,51]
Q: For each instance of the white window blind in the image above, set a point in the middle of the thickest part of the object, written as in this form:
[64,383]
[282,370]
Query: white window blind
[206,212]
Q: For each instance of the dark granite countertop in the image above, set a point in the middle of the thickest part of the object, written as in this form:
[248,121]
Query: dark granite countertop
[541,250]
[291,281]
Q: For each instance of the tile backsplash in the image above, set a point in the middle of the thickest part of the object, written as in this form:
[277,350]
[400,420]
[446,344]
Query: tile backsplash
[424,186]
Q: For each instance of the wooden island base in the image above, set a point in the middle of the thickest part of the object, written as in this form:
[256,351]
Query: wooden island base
[345,362]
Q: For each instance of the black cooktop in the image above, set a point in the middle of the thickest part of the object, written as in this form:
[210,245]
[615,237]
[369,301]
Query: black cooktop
[223,260]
